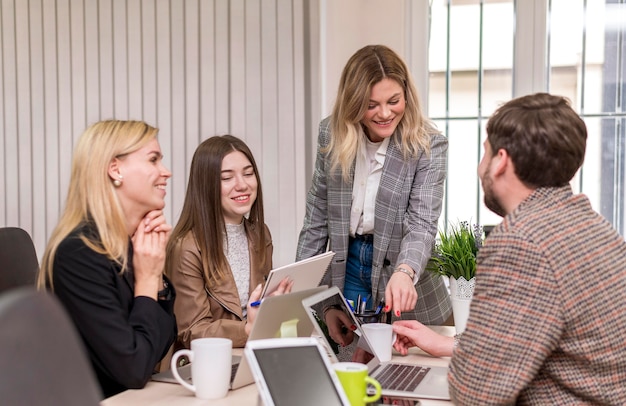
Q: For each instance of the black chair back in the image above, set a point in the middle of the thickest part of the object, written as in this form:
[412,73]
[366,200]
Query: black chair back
[42,358]
[18,259]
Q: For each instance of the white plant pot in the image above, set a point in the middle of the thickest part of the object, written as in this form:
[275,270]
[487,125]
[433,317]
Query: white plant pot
[461,292]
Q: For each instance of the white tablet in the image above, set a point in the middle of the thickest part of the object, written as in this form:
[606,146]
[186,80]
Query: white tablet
[294,371]
[305,274]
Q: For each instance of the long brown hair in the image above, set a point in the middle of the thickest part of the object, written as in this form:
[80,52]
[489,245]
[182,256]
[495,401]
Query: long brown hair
[202,212]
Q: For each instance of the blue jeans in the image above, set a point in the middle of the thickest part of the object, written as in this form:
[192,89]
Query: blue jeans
[358,279]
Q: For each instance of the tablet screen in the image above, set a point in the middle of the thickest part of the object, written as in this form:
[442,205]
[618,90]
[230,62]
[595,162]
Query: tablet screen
[297,376]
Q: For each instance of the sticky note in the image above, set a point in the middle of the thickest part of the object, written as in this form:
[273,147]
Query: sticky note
[289,329]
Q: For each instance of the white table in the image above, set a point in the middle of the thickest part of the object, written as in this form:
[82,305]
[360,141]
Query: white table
[168,394]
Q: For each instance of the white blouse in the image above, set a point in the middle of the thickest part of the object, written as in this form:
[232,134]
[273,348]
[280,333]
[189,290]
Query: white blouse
[368,169]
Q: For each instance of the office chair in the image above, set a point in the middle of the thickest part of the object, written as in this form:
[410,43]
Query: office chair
[42,359]
[18,259]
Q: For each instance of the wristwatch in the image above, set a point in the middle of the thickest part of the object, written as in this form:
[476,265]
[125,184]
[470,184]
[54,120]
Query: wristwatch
[165,293]
[406,271]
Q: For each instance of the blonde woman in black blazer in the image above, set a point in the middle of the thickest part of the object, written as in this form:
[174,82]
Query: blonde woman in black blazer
[106,256]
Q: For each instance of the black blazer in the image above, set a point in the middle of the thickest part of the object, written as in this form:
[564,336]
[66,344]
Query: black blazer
[125,336]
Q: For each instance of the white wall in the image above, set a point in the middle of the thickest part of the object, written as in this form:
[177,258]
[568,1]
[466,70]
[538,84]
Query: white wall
[348,25]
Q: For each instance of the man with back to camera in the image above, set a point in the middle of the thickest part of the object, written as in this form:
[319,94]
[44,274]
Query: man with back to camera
[547,322]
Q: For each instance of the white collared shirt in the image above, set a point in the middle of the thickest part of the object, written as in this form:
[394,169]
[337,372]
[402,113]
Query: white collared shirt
[370,159]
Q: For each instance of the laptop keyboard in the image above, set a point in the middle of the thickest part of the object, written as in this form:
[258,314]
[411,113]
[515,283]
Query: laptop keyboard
[233,371]
[401,377]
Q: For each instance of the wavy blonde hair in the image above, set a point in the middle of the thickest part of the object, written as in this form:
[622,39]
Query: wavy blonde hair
[368,66]
[91,195]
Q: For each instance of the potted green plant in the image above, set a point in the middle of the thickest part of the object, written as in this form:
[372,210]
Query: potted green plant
[454,256]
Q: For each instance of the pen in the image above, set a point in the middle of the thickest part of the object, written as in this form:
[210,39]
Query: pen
[380,307]
[256,304]
[358,304]
[349,302]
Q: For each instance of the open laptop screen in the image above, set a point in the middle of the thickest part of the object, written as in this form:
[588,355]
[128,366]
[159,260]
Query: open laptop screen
[330,314]
[334,319]
[297,376]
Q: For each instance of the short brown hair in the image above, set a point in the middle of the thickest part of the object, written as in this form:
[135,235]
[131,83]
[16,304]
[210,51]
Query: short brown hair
[543,135]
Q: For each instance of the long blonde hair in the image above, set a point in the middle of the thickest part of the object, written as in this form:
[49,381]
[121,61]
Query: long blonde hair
[368,66]
[91,196]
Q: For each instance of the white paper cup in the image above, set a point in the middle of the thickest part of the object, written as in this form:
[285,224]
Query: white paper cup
[210,367]
[460,311]
[381,337]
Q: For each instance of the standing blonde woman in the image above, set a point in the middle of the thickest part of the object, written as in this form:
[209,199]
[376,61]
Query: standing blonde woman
[105,258]
[377,190]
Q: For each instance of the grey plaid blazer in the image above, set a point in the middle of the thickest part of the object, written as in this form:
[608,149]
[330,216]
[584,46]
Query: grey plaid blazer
[407,210]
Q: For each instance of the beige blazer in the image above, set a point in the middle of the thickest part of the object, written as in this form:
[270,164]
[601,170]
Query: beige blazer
[213,310]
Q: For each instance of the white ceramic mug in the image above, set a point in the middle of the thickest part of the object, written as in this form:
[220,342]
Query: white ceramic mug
[211,360]
[381,337]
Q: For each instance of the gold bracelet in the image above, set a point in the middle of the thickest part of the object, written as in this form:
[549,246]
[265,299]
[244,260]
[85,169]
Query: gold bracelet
[405,271]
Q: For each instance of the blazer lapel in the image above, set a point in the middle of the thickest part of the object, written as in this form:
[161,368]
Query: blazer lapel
[129,274]
[129,277]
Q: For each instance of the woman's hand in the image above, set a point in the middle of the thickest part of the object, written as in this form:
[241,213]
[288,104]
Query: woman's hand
[255,296]
[400,294]
[155,221]
[149,242]
[340,326]
[283,287]
[412,333]
[361,356]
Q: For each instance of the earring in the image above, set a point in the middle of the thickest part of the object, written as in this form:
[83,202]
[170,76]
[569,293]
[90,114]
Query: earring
[118,182]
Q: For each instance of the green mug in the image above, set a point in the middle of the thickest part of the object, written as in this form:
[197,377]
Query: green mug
[354,380]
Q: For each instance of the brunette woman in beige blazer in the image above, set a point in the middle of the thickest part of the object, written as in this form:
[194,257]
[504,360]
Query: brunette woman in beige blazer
[377,190]
[220,251]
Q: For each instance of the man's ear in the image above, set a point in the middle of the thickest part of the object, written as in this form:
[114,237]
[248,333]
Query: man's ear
[114,169]
[502,162]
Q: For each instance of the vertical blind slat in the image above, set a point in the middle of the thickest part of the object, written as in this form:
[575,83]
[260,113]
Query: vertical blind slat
[194,69]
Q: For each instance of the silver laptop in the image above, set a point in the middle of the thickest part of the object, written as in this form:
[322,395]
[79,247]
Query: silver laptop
[294,371]
[269,320]
[396,379]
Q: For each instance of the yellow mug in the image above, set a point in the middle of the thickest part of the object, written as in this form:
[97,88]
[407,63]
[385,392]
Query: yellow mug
[354,379]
